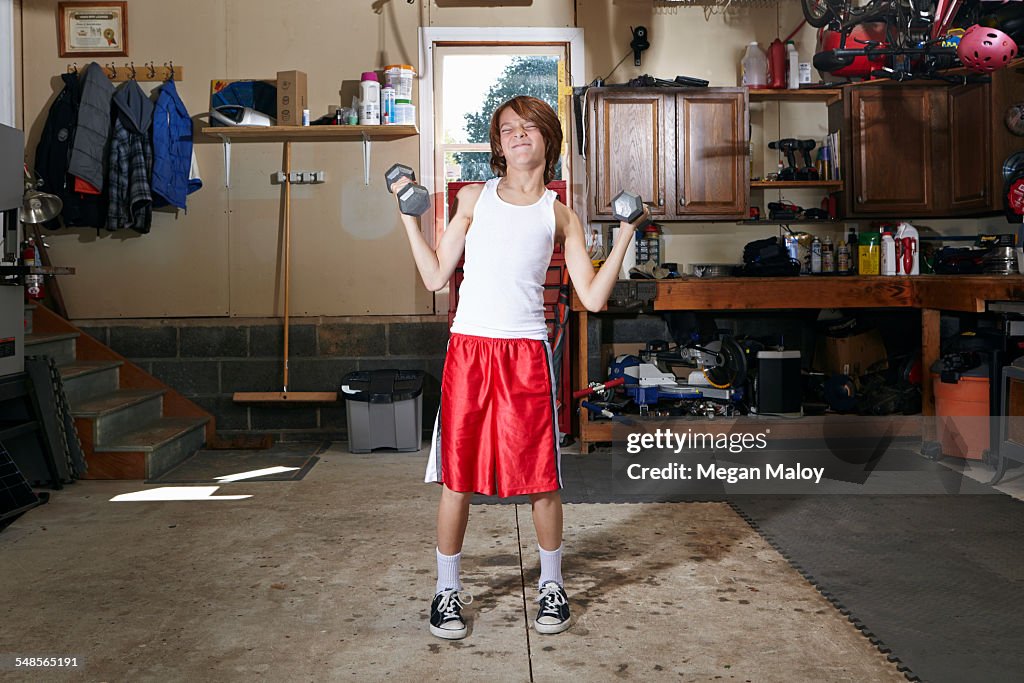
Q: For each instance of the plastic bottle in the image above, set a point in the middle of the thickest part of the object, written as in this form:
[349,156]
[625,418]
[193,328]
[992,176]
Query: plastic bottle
[387,105]
[910,250]
[815,255]
[888,255]
[369,99]
[792,66]
[828,256]
[867,253]
[776,64]
[755,67]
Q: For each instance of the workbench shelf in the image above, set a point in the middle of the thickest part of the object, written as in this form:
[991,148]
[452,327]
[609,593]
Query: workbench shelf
[833,185]
[826,95]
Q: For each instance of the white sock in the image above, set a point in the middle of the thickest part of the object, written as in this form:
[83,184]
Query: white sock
[448,571]
[550,566]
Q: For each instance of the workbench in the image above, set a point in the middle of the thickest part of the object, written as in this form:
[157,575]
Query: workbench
[932,294]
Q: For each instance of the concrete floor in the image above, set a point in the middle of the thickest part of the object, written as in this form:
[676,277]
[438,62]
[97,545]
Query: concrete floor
[328,578]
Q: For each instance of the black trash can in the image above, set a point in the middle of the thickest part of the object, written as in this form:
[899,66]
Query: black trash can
[384,409]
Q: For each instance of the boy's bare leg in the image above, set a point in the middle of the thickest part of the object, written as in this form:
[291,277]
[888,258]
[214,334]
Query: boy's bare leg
[452,517]
[547,518]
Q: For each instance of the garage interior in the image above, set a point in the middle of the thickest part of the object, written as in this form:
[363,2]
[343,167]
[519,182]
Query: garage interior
[192,484]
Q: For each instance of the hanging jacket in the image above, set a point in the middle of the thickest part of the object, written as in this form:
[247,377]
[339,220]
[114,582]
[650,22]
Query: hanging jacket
[53,154]
[92,131]
[131,158]
[172,149]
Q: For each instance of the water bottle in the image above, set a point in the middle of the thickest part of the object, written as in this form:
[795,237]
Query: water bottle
[755,67]
[369,99]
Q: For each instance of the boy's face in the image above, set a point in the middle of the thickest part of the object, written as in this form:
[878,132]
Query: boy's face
[521,140]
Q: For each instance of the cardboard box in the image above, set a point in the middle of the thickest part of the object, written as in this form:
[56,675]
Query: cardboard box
[852,356]
[291,97]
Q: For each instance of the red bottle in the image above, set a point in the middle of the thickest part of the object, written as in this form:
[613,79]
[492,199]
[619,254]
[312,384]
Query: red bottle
[776,64]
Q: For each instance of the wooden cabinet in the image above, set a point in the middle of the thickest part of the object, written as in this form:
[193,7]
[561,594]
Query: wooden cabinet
[712,167]
[928,150]
[684,151]
[631,141]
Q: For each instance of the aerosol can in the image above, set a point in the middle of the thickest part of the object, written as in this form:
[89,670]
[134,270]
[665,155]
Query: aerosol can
[908,250]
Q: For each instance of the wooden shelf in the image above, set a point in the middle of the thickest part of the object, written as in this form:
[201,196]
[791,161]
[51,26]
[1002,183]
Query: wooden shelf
[826,95]
[309,133]
[37,270]
[768,221]
[796,184]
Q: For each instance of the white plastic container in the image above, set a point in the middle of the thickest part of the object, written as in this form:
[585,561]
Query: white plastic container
[792,66]
[405,114]
[400,76]
[909,241]
[755,67]
[369,99]
[888,255]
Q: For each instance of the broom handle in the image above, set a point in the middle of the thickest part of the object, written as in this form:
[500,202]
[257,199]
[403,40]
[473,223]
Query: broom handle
[287,248]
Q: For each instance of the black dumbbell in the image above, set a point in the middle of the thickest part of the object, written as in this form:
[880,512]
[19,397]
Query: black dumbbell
[627,207]
[413,200]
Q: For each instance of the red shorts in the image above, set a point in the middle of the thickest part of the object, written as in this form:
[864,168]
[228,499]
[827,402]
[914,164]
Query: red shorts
[497,430]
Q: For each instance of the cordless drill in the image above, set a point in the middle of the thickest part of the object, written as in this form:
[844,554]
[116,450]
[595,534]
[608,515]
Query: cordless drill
[809,171]
[787,146]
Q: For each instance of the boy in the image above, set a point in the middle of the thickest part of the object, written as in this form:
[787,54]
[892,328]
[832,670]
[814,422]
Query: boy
[497,432]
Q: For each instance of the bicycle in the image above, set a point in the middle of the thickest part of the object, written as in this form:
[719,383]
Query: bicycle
[913,44]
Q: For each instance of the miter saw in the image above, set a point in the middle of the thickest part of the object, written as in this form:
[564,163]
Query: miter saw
[716,371]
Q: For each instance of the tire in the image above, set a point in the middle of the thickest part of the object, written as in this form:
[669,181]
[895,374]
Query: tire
[817,12]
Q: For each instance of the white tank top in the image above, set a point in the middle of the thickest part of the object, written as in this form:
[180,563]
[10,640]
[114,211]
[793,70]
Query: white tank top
[508,249]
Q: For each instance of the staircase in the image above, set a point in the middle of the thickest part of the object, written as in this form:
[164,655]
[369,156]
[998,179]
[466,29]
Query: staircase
[131,425]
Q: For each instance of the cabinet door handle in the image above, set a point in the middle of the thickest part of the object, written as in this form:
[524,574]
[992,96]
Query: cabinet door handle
[661,199]
[682,201]
[860,199]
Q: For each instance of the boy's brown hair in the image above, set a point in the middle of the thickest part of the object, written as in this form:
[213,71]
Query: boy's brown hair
[539,112]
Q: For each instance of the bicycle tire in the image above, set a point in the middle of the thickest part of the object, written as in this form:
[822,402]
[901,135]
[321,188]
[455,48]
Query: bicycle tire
[818,13]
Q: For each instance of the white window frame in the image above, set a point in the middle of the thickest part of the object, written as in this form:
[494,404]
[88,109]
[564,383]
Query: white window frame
[7,104]
[573,37]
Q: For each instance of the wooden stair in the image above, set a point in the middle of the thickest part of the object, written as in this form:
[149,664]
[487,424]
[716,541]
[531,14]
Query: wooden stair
[131,425]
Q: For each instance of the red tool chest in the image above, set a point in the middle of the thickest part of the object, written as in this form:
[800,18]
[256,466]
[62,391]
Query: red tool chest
[557,273]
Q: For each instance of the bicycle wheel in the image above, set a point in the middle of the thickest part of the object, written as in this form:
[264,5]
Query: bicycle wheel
[818,12]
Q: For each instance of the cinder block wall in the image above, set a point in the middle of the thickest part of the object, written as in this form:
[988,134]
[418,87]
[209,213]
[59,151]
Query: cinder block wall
[208,360]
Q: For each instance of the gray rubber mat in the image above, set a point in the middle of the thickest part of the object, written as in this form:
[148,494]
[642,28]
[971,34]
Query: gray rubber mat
[206,465]
[936,581]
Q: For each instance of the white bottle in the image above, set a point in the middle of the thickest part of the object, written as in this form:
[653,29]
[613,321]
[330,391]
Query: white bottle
[816,255]
[910,250]
[755,67]
[792,66]
[888,255]
[369,99]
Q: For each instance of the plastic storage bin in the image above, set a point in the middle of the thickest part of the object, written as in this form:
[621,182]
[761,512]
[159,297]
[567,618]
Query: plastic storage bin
[962,411]
[384,409]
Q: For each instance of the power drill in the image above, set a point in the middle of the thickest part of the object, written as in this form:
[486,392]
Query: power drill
[789,147]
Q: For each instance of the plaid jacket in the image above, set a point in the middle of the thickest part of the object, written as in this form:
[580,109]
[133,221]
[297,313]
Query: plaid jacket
[131,163]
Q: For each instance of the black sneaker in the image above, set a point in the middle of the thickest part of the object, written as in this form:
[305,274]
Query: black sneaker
[446,614]
[553,616]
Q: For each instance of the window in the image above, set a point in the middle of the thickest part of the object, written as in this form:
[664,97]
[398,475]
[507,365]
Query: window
[467,72]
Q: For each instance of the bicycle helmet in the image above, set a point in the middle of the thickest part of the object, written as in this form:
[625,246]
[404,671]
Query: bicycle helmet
[985,50]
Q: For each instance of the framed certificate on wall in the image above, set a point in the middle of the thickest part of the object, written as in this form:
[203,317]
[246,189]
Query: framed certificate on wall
[92,29]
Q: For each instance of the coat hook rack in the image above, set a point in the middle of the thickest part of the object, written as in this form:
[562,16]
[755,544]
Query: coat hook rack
[129,72]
